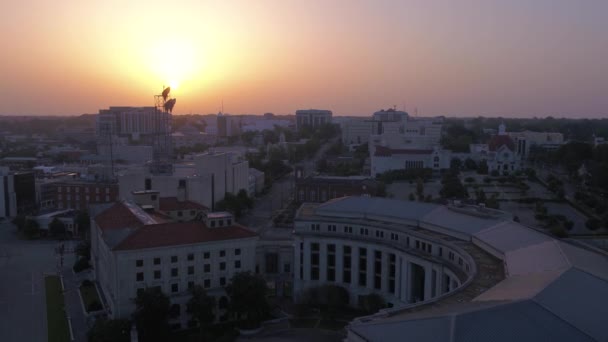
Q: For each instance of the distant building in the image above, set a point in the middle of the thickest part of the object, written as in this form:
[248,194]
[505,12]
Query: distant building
[256,181]
[324,188]
[17,192]
[79,194]
[312,118]
[206,179]
[228,125]
[385,159]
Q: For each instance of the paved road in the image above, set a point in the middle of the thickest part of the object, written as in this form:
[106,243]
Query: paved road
[22,297]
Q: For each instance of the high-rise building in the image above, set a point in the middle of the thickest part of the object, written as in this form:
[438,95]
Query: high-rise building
[312,118]
[17,192]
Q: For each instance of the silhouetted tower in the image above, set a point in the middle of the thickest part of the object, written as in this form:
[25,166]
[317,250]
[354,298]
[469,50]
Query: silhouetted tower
[163,146]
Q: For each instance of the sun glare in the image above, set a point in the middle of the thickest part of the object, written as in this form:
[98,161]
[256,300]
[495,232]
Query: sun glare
[173,62]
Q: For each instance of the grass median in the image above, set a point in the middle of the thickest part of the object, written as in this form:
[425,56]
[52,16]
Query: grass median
[57,322]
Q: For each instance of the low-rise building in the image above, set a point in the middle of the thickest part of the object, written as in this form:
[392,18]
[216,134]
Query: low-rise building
[17,192]
[134,247]
[385,159]
[80,194]
[324,188]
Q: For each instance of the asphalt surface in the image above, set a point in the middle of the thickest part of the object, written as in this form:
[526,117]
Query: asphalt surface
[22,299]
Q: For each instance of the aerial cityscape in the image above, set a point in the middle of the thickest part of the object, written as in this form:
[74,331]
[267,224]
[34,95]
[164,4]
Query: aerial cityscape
[294,171]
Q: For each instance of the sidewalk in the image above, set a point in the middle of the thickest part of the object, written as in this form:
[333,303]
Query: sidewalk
[73,303]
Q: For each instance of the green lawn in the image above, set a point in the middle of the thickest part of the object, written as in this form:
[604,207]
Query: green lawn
[57,322]
[89,295]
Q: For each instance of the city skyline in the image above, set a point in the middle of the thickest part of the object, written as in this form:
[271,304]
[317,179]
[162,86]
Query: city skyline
[491,58]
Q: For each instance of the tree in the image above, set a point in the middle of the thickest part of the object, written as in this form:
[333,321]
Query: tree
[372,303]
[455,164]
[151,315]
[57,228]
[83,221]
[83,249]
[113,330]
[470,164]
[420,188]
[452,187]
[19,221]
[200,306]
[31,229]
[482,168]
[248,300]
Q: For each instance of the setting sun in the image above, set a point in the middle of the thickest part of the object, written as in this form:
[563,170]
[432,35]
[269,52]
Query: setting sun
[173,62]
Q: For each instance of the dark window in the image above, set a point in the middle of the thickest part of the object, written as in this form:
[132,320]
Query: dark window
[139,263]
[190,285]
[174,258]
[181,183]
[180,214]
[190,257]
[174,288]
[237,251]
[156,261]
[237,264]
[222,253]
[287,268]
[157,274]
[228,222]
[140,276]
[190,270]
[222,266]
[207,268]
[222,281]
[206,255]
[207,283]
[148,184]
[174,272]
[272,263]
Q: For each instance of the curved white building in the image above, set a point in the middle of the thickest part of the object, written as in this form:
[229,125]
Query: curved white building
[450,273]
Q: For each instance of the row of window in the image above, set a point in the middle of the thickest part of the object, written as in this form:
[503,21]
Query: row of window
[419,245]
[206,283]
[157,274]
[189,257]
[77,198]
[77,189]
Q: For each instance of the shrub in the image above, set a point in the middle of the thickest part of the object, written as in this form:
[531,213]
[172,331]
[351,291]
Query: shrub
[94,306]
[494,173]
[487,180]
[469,179]
[568,224]
[81,264]
[559,232]
[593,224]
[372,303]
[87,282]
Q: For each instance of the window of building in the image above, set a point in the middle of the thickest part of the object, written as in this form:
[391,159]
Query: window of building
[174,258]
[222,266]
[190,270]
[287,268]
[207,268]
[212,223]
[180,214]
[228,222]
[206,255]
[174,272]
[222,253]
[157,274]
[190,256]
[271,263]
[221,223]
[139,276]
[315,227]
[147,184]
[190,285]
[222,281]
[156,261]
[237,251]
[174,288]
[207,283]
[237,264]
[139,263]
[192,212]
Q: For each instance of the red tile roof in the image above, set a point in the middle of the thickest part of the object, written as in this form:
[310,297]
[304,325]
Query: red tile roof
[172,204]
[118,216]
[498,140]
[180,233]
[383,151]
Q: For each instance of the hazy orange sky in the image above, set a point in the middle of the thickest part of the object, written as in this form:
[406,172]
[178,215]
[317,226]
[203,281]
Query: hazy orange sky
[464,57]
